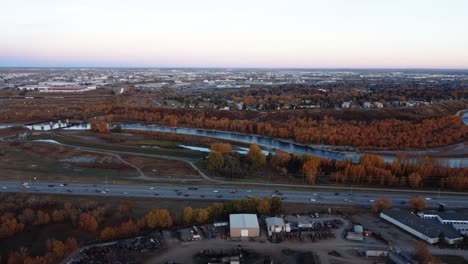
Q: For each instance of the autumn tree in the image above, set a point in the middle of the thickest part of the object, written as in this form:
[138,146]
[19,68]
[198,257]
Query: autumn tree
[423,254]
[108,233]
[221,147]
[311,169]
[71,244]
[215,162]
[216,211]
[264,206]
[88,222]
[415,180]
[381,204]
[418,203]
[256,157]
[201,215]
[276,206]
[187,215]
[58,216]
[58,249]
[158,218]
[43,218]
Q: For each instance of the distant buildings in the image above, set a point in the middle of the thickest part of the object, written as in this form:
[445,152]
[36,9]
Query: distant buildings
[345,104]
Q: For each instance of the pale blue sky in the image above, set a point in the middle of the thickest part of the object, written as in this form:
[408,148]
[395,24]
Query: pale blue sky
[241,33]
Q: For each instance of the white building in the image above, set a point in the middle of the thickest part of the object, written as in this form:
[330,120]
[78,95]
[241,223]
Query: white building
[275,225]
[459,221]
[244,225]
[367,105]
[429,230]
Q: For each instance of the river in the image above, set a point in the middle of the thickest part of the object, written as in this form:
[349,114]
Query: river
[266,142]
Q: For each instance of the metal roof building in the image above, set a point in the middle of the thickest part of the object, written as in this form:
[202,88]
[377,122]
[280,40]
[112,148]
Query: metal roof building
[244,225]
[427,229]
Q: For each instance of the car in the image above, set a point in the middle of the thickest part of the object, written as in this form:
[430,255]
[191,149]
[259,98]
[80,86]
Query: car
[50,185]
[156,194]
[69,190]
[103,191]
[186,195]
[125,193]
[179,193]
[202,196]
[337,193]
[219,196]
[402,202]
[151,188]
[371,200]
[249,191]
[428,198]
[315,194]
[193,188]
[312,200]
[4,187]
[61,185]
[37,189]
[215,191]
[233,191]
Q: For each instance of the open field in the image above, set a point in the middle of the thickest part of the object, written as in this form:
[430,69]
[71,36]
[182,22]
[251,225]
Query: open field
[44,162]
[179,153]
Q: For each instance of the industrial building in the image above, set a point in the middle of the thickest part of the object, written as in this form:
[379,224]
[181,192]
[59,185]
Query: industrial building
[244,225]
[276,225]
[459,221]
[429,230]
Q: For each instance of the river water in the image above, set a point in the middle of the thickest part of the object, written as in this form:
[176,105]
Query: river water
[269,143]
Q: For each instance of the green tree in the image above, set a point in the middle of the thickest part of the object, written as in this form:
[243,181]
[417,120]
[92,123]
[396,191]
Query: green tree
[256,157]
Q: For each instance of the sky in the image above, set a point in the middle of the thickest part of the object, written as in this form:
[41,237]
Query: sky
[235,33]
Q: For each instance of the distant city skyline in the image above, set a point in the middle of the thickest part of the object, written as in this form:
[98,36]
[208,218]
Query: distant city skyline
[396,34]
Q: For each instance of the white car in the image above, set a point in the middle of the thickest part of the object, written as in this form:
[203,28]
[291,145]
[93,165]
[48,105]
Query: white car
[151,188]
[61,185]
[215,191]
[312,200]
[103,191]
[428,198]
[371,201]
[125,193]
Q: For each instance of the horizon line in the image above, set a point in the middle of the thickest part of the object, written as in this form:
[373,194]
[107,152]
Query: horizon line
[236,68]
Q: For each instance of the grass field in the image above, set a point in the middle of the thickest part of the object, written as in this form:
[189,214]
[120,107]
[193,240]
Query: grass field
[171,152]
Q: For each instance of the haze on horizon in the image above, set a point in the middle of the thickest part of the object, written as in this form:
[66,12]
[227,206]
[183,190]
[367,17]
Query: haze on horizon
[242,33]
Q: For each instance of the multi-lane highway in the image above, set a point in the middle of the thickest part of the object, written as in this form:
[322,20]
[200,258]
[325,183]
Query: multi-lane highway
[312,197]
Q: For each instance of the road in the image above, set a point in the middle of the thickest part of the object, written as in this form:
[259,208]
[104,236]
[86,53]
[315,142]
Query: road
[308,197]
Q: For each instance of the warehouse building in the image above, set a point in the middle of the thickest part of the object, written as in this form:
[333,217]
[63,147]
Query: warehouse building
[429,230]
[244,225]
[459,221]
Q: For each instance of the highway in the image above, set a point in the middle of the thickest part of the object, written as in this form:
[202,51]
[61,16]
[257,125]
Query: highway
[185,193]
